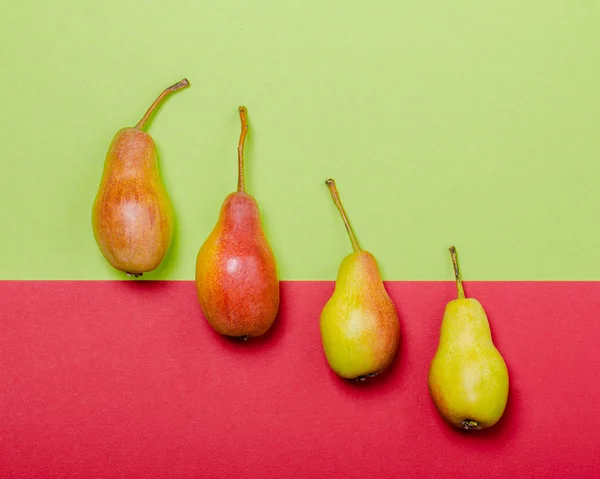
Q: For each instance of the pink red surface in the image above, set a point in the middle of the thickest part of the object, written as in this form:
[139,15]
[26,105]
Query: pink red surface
[126,379]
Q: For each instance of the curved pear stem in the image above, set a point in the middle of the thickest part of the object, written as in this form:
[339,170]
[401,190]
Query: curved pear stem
[244,120]
[459,285]
[173,88]
[336,199]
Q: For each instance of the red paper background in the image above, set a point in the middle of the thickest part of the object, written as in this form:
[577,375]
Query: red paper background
[125,379]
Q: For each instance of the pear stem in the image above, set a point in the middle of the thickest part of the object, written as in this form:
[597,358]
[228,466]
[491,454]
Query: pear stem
[336,199]
[244,120]
[173,88]
[459,285]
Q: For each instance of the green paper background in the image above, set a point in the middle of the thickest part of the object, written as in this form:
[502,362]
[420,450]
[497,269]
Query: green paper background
[473,123]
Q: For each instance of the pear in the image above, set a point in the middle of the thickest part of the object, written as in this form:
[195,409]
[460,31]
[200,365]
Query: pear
[468,378]
[236,272]
[132,215]
[360,330]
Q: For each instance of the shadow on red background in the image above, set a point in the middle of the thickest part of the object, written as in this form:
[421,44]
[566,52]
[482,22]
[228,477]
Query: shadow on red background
[126,379]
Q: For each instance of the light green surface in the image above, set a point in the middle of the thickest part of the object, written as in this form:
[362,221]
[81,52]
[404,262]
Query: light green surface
[473,123]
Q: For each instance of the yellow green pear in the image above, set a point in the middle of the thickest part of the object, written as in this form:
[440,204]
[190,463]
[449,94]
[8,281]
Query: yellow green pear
[360,330]
[468,378]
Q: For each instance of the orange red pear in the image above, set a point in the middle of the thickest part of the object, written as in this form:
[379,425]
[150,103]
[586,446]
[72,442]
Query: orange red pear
[132,215]
[236,274]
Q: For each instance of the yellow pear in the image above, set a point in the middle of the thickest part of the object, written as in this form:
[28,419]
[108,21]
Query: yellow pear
[359,324]
[468,378]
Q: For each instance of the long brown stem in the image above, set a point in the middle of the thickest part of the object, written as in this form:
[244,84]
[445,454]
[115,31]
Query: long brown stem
[336,199]
[244,121]
[173,88]
[459,285]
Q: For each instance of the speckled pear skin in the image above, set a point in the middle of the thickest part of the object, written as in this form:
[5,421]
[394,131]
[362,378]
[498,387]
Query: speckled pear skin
[236,273]
[468,378]
[360,330]
[132,215]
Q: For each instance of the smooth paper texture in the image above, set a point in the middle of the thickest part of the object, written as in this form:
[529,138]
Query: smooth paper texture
[121,379]
[467,123]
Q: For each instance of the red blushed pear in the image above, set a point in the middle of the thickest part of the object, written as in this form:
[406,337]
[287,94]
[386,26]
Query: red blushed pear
[236,273]
[360,330]
[132,216]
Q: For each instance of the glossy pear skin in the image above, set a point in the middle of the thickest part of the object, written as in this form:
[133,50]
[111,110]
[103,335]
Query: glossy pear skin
[468,378]
[132,216]
[236,273]
[360,330]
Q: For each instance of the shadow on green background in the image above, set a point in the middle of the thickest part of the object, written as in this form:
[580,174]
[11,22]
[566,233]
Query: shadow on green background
[472,124]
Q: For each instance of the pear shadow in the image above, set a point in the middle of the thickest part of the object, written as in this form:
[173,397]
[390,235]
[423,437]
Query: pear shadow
[267,341]
[264,226]
[149,286]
